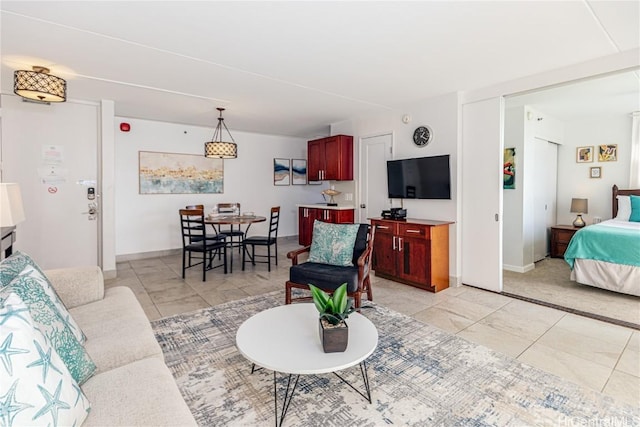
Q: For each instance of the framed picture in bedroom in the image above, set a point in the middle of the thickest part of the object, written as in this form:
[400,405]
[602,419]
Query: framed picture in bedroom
[595,172]
[584,154]
[608,153]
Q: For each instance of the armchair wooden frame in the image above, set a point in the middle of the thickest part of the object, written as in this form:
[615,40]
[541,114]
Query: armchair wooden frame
[364,271]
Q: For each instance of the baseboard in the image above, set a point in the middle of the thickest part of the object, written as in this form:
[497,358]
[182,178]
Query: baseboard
[145,255]
[110,274]
[517,268]
[178,251]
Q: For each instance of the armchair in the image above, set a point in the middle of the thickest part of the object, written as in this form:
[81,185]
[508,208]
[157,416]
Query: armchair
[329,277]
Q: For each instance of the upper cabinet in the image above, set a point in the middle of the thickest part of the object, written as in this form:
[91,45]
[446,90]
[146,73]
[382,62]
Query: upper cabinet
[330,158]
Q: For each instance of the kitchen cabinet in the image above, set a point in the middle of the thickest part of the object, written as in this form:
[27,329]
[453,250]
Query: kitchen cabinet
[415,252]
[307,215]
[330,158]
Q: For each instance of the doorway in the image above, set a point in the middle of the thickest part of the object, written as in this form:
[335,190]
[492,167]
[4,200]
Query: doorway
[374,152]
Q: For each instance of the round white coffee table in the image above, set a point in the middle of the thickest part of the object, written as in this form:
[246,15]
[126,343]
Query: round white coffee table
[285,339]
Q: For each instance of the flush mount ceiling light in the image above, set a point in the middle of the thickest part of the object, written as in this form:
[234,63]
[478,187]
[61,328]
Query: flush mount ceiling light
[39,85]
[218,149]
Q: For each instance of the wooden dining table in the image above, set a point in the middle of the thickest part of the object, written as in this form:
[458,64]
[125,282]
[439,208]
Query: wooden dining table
[217,220]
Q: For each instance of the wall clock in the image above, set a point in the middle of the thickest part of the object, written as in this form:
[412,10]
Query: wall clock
[422,136]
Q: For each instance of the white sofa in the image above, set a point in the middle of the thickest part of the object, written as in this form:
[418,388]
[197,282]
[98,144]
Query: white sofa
[132,385]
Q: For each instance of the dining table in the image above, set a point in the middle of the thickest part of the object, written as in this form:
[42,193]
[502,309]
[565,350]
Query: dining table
[240,220]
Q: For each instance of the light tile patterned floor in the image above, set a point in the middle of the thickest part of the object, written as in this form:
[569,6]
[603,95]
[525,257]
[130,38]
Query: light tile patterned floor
[595,354]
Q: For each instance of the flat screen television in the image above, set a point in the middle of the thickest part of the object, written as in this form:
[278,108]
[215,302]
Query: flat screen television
[419,178]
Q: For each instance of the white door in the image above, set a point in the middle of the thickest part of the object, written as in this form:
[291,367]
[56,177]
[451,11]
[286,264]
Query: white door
[545,160]
[374,152]
[52,152]
[481,178]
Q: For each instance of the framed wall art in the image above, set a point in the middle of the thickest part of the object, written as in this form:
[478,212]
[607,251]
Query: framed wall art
[595,172]
[173,173]
[281,172]
[298,171]
[584,154]
[509,169]
[608,153]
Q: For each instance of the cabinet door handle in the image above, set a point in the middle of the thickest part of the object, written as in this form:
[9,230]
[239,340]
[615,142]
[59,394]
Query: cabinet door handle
[399,244]
[382,227]
[413,231]
[394,243]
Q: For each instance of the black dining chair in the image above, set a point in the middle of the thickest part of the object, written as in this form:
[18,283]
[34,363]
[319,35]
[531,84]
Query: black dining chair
[215,236]
[231,232]
[270,240]
[194,241]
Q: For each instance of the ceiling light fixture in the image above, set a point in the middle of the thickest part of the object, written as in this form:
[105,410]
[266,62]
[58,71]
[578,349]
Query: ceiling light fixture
[39,85]
[218,149]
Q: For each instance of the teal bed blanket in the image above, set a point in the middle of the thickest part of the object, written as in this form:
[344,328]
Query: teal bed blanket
[603,242]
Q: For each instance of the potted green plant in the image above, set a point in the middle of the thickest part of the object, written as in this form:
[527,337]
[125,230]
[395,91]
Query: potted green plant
[334,309]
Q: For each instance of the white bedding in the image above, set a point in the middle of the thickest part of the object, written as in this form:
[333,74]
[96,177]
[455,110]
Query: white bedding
[606,275]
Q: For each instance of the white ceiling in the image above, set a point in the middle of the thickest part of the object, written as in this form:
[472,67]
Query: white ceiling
[293,68]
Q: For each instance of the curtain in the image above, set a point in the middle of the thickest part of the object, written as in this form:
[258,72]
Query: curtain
[634,178]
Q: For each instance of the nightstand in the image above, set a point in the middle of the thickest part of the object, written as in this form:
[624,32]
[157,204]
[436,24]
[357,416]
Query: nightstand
[560,237]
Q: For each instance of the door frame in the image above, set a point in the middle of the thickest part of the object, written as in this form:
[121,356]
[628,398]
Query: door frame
[360,188]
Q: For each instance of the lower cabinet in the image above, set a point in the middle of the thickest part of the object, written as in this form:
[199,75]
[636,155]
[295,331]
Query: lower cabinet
[415,252]
[306,217]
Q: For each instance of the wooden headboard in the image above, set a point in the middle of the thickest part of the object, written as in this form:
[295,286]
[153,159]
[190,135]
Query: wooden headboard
[617,192]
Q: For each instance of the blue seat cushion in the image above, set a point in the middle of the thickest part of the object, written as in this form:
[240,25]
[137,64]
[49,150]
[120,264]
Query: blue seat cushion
[324,276]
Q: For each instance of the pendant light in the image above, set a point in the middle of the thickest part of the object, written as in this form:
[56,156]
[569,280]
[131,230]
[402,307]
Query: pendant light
[218,149]
[38,85]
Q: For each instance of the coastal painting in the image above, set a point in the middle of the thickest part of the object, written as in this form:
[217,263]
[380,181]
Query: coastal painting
[173,173]
[281,172]
[298,171]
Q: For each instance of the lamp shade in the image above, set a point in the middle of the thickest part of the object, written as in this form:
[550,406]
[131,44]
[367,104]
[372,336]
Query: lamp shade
[221,150]
[39,85]
[579,206]
[11,211]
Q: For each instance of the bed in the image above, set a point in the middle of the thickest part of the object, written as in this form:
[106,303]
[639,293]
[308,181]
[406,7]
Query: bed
[607,255]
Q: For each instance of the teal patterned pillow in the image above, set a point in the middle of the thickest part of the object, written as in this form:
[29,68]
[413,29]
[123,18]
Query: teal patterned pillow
[333,243]
[29,287]
[37,388]
[15,264]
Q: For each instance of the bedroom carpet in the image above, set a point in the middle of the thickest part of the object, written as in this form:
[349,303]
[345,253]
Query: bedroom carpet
[549,283]
[419,374]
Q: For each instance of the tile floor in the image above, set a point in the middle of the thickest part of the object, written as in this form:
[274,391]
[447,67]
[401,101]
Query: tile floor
[598,355]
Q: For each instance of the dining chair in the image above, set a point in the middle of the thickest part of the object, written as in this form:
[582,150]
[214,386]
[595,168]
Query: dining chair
[329,277]
[216,236]
[195,241]
[231,232]
[270,240]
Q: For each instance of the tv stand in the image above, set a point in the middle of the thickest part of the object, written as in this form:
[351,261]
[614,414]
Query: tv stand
[412,251]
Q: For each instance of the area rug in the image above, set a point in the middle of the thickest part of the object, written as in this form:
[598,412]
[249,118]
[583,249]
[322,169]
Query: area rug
[419,375]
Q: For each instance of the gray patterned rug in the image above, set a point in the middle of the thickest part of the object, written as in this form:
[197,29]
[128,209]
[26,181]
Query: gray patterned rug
[419,376]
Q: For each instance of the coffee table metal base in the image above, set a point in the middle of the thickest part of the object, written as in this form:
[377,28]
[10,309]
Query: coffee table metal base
[289,391]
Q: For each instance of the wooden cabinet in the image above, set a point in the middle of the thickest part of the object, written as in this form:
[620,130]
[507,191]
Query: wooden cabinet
[415,252]
[306,217]
[330,158]
[560,237]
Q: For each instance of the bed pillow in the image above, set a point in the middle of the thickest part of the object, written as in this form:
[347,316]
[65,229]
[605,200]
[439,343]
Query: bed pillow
[28,286]
[333,243]
[38,388]
[635,209]
[624,208]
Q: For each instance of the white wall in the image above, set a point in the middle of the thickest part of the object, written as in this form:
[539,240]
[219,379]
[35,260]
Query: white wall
[513,242]
[573,178]
[149,223]
[441,114]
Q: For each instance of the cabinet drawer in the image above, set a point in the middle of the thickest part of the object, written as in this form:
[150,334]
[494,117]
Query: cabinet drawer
[413,230]
[384,227]
[564,236]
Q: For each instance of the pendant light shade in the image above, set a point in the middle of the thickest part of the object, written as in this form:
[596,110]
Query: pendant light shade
[217,148]
[39,85]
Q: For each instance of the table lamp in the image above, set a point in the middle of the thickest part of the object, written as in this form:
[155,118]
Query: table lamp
[11,211]
[579,206]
